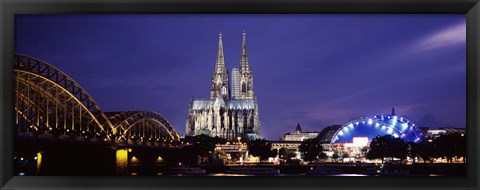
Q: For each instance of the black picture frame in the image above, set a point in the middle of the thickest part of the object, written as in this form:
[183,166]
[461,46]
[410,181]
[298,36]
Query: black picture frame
[11,7]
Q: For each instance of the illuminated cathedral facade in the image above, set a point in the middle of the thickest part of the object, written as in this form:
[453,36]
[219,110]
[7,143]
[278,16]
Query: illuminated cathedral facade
[232,110]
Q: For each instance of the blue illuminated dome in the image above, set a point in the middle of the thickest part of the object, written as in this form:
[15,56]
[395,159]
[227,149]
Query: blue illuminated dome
[380,125]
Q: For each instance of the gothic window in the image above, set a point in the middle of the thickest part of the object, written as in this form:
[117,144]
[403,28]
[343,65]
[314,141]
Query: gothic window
[219,85]
[224,90]
[245,126]
[244,87]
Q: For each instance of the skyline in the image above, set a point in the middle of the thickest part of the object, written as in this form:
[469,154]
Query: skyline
[120,60]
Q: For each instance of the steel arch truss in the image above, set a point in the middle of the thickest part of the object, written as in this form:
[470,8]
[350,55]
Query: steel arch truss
[48,101]
[142,127]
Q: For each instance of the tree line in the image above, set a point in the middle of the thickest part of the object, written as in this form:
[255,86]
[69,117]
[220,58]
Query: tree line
[446,146]
[202,149]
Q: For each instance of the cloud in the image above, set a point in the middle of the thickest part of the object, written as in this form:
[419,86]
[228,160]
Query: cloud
[453,35]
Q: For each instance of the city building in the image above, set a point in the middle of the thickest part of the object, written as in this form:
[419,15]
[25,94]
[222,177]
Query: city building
[235,83]
[326,135]
[436,132]
[450,130]
[299,135]
[445,131]
[291,146]
[292,141]
[225,115]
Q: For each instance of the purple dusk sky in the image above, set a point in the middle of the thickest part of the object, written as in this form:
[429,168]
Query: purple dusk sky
[316,70]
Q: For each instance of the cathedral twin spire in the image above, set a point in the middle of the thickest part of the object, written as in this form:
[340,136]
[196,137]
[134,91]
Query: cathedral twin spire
[220,86]
[220,64]
[244,57]
[232,110]
[242,81]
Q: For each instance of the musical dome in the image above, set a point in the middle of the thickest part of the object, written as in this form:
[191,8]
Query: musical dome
[379,125]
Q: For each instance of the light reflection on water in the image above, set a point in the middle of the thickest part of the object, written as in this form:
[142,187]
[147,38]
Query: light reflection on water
[301,174]
[349,175]
[227,174]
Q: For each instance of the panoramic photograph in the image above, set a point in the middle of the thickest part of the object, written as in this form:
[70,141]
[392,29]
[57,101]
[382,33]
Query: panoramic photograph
[240,95]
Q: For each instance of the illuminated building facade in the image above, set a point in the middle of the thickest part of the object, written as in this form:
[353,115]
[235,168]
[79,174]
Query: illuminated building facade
[227,115]
[445,131]
[299,135]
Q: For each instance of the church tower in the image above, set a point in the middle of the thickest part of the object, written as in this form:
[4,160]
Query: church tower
[227,114]
[220,86]
[246,75]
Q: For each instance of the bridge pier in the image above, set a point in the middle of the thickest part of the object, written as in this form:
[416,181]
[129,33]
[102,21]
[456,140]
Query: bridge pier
[48,157]
[53,157]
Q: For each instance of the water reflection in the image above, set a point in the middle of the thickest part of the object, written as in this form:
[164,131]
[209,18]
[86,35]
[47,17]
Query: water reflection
[301,174]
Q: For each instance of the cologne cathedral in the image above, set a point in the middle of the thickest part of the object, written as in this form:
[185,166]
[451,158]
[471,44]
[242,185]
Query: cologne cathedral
[232,110]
